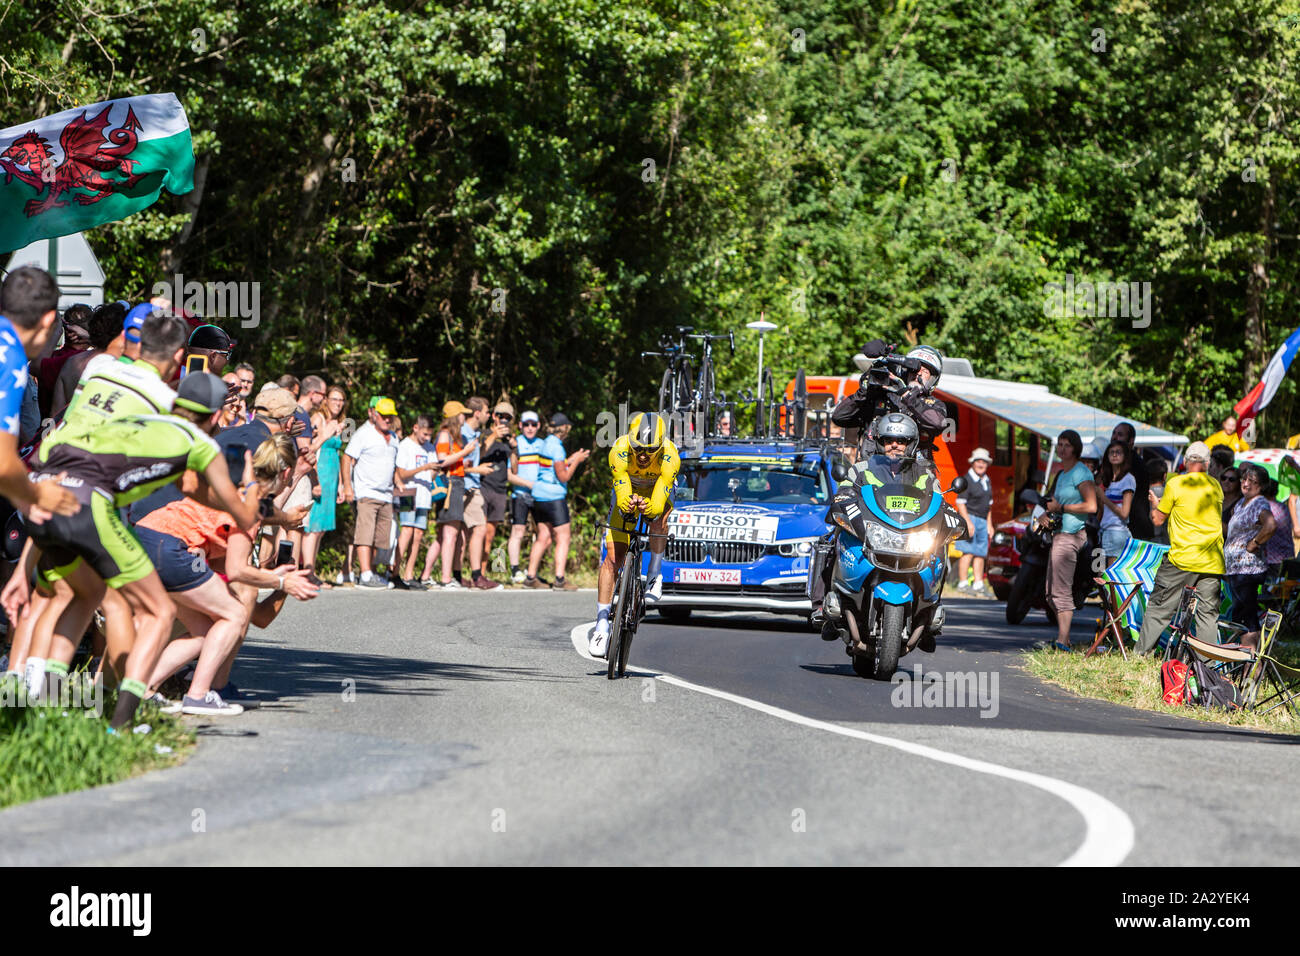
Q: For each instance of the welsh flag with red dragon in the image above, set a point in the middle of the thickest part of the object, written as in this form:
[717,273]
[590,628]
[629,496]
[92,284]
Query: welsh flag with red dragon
[91,165]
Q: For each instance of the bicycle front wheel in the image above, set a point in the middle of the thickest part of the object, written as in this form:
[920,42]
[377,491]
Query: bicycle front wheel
[624,595]
[633,618]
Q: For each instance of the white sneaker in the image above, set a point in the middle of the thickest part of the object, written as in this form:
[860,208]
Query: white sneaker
[654,589]
[518,577]
[164,705]
[598,641]
[453,585]
[964,586]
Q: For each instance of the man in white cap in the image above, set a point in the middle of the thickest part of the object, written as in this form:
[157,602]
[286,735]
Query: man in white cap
[973,505]
[1193,505]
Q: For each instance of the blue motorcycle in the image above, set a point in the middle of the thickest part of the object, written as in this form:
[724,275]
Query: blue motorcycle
[891,537]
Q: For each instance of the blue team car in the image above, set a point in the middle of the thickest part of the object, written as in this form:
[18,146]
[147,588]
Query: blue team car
[746,514]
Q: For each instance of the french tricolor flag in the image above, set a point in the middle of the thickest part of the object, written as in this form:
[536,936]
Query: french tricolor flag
[1259,396]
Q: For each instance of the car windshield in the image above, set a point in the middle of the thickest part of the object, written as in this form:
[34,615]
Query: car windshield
[799,483]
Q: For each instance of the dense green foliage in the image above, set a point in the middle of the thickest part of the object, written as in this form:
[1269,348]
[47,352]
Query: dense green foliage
[851,168]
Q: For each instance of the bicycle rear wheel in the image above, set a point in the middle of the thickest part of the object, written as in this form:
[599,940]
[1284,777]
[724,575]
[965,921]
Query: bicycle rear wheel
[624,594]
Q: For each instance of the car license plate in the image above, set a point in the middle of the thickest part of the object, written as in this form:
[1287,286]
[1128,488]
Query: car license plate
[707,576]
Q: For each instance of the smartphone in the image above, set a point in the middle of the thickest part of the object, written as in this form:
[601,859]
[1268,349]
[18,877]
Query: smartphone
[235,462]
[283,554]
[196,363]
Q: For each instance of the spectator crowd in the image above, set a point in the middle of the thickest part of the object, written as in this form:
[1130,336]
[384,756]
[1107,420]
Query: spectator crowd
[158,501]
[1227,527]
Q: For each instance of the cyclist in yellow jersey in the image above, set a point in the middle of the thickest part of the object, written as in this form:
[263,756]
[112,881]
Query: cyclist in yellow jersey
[645,465]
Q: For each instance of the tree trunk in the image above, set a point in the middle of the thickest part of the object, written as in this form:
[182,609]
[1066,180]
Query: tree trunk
[1256,286]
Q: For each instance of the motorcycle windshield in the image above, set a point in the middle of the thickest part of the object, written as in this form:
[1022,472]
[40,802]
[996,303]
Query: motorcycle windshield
[897,490]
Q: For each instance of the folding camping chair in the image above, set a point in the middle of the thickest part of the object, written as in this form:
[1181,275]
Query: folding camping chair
[1251,668]
[1125,587]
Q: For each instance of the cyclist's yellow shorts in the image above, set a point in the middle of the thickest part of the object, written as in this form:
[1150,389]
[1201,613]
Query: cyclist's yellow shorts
[620,523]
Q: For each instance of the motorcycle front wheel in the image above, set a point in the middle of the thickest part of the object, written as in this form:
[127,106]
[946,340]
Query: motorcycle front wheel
[889,645]
[1020,600]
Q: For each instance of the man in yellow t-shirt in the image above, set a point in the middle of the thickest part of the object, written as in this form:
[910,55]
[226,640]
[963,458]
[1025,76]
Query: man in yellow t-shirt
[1227,435]
[1193,506]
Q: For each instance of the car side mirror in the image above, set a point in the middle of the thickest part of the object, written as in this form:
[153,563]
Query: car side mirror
[1030,497]
[839,469]
[959,484]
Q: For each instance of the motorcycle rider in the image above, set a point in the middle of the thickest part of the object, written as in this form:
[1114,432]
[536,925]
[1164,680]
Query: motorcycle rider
[898,439]
[881,392]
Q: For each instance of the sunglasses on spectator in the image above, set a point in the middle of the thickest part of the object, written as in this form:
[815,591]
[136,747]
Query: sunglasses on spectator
[533,424]
[505,418]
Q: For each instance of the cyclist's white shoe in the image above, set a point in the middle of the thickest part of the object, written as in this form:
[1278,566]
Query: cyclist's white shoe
[654,589]
[598,641]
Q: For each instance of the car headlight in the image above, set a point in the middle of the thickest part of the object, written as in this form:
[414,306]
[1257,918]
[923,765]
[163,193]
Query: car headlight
[919,542]
[882,538]
[802,548]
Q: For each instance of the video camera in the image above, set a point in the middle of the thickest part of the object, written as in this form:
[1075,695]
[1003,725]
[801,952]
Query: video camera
[889,365]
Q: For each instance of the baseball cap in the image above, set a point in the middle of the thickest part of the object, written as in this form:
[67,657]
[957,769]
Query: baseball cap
[981,454]
[275,401]
[385,406]
[454,408]
[558,419]
[201,392]
[211,337]
[504,408]
[135,320]
[1197,451]
[529,417]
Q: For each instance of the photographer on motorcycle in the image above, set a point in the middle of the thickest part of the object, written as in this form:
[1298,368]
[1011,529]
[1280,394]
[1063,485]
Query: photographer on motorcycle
[882,391]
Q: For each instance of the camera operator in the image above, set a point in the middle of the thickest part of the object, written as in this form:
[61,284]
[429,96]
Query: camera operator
[895,383]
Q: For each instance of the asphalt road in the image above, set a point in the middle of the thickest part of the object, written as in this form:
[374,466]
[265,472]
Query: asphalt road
[430,728]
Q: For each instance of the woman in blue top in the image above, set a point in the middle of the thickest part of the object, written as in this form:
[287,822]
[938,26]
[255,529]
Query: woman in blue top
[1074,498]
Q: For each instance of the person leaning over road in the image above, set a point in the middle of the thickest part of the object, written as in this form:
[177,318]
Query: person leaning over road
[644,463]
[1251,528]
[973,505]
[201,557]
[1191,504]
[555,470]
[475,509]
[1118,488]
[1074,499]
[107,466]
[367,474]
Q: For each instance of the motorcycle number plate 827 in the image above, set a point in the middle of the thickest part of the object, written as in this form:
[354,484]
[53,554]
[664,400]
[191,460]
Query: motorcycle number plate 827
[902,503]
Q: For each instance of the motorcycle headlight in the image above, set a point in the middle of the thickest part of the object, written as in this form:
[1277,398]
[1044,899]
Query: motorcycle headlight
[882,538]
[919,542]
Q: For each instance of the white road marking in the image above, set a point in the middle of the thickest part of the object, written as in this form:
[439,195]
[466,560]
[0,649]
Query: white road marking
[1109,832]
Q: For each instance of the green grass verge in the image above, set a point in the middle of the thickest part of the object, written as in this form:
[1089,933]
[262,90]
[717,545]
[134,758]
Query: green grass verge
[46,750]
[1136,683]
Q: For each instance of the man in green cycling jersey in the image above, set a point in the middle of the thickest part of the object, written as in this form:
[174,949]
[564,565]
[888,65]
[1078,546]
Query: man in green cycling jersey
[106,467]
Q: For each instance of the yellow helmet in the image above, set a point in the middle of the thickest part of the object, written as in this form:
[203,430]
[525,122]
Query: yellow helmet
[646,433]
